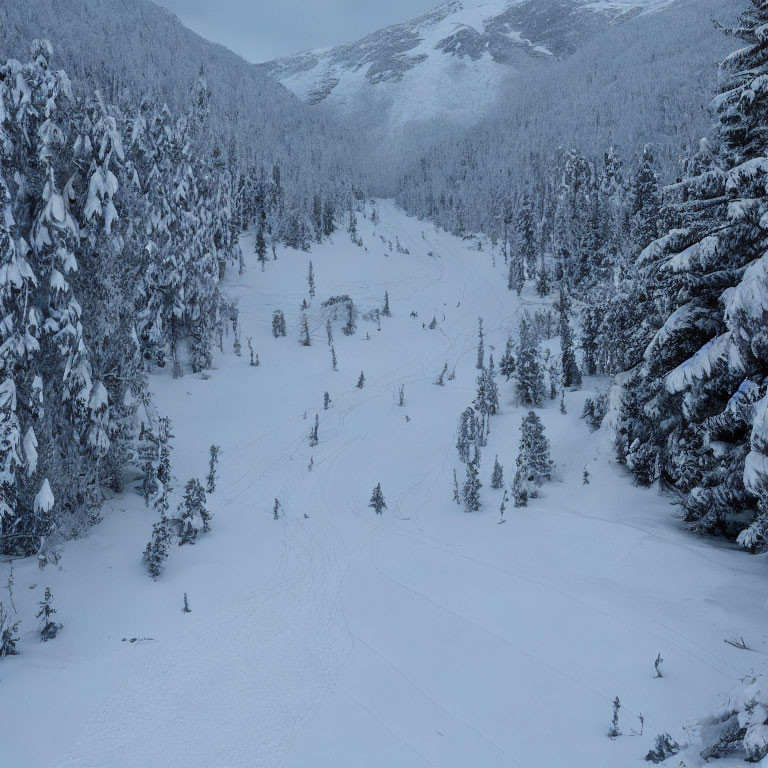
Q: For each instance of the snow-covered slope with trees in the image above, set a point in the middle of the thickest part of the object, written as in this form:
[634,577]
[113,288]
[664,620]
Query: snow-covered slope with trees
[333,636]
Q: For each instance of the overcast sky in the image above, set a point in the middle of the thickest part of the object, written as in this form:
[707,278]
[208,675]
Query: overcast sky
[261,30]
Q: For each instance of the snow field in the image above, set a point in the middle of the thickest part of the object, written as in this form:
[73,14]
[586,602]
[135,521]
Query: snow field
[425,637]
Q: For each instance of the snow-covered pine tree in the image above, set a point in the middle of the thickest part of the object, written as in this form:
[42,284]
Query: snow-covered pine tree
[528,371]
[470,493]
[191,515]
[516,273]
[467,433]
[507,363]
[387,312]
[644,203]
[278,324]
[377,502]
[533,463]
[691,410]
[311,281]
[361,381]
[497,479]
[570,369]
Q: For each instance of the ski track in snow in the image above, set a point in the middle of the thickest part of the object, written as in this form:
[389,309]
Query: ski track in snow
[365,642]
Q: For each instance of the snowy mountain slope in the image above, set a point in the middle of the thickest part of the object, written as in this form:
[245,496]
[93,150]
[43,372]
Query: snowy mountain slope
[452,60]
[339,639]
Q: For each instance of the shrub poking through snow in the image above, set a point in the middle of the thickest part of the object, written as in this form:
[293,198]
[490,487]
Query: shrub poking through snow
[361,381]
[664,748]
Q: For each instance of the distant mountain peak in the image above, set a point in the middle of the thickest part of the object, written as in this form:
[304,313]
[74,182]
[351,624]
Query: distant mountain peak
[451,59]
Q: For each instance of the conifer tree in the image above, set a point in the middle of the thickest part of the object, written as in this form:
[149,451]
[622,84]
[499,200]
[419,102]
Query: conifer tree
[377,502]
[507,363]
[333,358]
[533,463]
[570,368]
[306,340]
[386,311]
[528,373]
[49,628]
[314,437]
[497,479]
[192,516]
[213,462]
[480,365]
[361,380]
[311,281]
[278,324]
[470,493]
[456,491]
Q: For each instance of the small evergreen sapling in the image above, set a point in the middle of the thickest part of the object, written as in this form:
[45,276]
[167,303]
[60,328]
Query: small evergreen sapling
[311,281]
[186,608]
[156,552]
[276,510]
[497,479]
[213,462]
[586,476]
[306,341]
[386,311]
[254,358]
[440,380]
[657,664]
[326,401]
[401,396]
[503,505]
[456,491]
[480,364]
[49,628]
[361,380]
[334,361]
[314,438]
[614,731]
[377,502]
[278,324]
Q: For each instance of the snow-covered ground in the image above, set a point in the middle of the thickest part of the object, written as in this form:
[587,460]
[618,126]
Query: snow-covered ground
[334,638]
